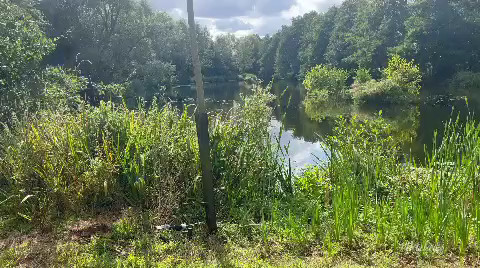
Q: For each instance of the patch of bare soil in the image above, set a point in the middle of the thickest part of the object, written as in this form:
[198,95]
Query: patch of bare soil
[32,250]
[38,249]
[84,230]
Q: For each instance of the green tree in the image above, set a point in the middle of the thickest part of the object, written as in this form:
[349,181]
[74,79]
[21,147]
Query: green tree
[225,58]
[248,54]
[365,37]
[378,27]
[339,47]
[316,39]
[287,62]
[268,56]
[23,45]
[440,38]
[392,29]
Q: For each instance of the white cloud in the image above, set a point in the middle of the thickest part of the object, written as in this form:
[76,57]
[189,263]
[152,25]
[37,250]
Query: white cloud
[300,151]
[243,17]
[177,13]
[304,6]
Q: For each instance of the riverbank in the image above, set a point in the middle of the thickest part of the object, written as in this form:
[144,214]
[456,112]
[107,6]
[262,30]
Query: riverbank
[367,204]
[102,242]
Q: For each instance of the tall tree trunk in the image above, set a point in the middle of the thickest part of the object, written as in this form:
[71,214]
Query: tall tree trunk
[202,127]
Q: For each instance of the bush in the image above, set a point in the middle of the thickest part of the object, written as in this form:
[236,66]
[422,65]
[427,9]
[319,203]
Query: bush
[62,89]
[384,91]
[59,162]
[326,87]
[401,84]
[465,82]
[330,79]
[362,76]
[23,44]
[405,74]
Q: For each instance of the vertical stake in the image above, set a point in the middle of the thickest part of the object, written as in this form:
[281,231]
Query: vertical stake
[202,127]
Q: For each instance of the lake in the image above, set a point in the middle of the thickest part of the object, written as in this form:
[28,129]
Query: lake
[415,124]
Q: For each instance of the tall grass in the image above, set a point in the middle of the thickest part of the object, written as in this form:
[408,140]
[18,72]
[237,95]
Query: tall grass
[246,160]
[98,157]
[373,191]
[58,163]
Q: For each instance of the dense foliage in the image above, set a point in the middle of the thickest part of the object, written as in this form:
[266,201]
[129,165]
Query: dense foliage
[327,90]
[60,162]
[71,145]
[324,78]
[327,86]
[400,84]
[70,156]
[128,42]
[23,44]
[363,33]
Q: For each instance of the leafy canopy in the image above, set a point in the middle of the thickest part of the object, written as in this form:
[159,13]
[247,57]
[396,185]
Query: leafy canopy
[323,77]
[404,73]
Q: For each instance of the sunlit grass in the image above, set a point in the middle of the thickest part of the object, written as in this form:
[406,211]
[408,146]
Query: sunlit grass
[367,198]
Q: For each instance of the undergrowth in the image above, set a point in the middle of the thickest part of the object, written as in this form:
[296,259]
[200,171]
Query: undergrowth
[367,197]
[59,163]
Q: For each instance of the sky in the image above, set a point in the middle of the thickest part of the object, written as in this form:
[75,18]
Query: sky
[242,17]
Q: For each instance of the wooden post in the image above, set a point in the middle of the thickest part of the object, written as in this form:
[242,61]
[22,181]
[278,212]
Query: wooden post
[202,127]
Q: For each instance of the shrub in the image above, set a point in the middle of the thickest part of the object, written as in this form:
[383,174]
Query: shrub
[326,86]
[23,45]
[332,80]
[405,74]
[384,91]
[62,89]
[400,85]
[465,82]
[60,162]
[362,76]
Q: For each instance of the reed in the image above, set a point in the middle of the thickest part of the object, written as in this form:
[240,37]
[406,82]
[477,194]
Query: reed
[60,163]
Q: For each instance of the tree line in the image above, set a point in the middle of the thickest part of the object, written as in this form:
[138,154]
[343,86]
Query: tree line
[442,36]
[128,42]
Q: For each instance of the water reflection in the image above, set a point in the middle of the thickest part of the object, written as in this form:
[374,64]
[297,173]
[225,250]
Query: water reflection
[300,151]
[289,110]
[404,120]
[414,125]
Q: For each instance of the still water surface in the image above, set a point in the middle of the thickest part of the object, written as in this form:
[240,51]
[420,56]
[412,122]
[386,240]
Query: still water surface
[303,135]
